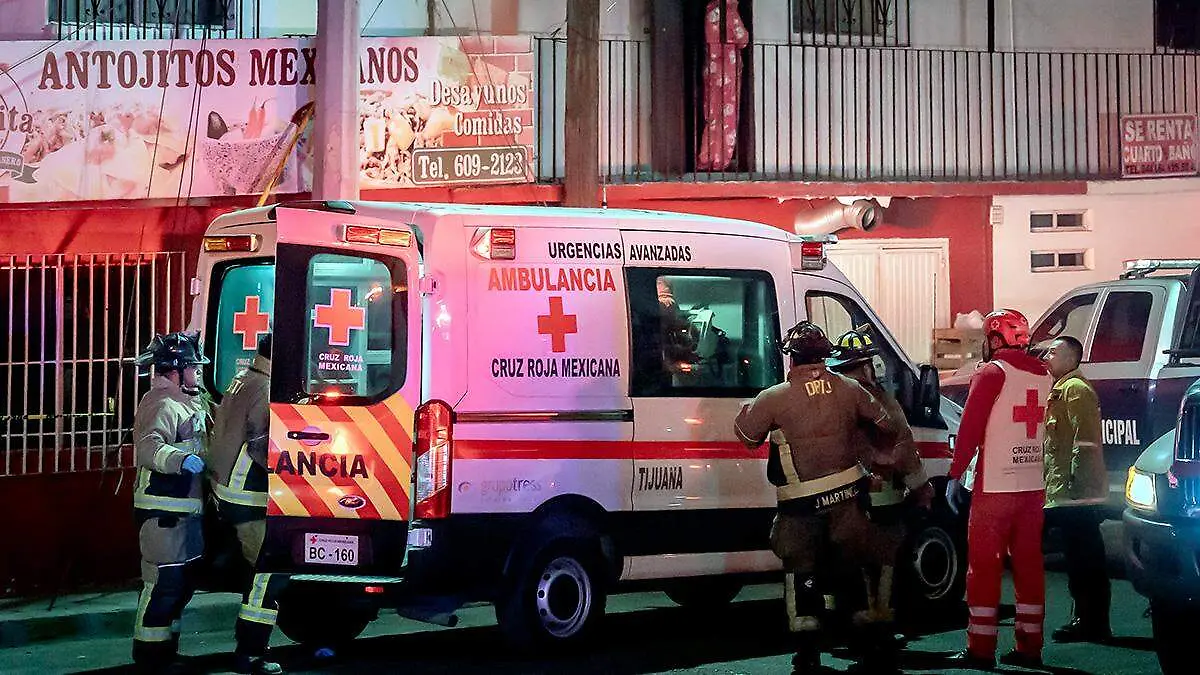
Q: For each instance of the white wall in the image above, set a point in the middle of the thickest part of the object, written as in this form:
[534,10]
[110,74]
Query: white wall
[1054,25]
[1126,220]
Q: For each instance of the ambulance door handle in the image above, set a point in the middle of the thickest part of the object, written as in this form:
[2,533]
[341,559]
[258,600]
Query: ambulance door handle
[308,435]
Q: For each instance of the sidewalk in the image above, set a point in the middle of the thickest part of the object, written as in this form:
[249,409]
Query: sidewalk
[101,614]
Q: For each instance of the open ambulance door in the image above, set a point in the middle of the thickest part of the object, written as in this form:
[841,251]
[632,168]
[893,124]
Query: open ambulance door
[345,381]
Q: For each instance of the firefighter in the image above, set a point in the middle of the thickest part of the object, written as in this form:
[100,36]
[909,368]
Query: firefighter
[169,429]
[999,458]
[898,477]
[239,485]
[821,487]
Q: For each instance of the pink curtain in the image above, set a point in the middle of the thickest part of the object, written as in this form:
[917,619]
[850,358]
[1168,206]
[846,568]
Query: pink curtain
[722,81]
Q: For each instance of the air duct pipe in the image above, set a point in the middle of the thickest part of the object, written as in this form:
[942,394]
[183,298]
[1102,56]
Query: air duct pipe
[861,214]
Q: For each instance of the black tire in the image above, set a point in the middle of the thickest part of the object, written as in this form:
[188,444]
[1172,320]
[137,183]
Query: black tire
[319,618]
[557,599]
[703,593]
[933,569]
[1173,631]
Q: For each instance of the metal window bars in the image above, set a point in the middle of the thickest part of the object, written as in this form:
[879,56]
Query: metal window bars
[154,19]
[74,324]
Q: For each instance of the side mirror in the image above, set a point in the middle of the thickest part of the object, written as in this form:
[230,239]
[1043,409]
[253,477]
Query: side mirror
[929,393]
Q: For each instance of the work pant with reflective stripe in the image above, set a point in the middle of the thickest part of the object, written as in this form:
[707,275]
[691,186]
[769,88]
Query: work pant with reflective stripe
[166,590]
[258,613]
[1005,523]
[260,602]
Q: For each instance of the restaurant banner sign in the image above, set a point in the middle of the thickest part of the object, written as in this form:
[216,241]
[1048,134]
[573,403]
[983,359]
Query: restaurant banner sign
[162,119]
[1157,146]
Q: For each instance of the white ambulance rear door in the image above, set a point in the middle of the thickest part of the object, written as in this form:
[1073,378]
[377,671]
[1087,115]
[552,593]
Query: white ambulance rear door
[346,375]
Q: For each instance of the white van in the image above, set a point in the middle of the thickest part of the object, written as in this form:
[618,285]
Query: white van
[527,406]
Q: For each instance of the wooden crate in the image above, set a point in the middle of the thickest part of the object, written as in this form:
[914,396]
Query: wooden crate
[953,348]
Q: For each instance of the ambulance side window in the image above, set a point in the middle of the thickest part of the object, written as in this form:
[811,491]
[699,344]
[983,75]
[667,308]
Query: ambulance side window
[836,314]
[702,333]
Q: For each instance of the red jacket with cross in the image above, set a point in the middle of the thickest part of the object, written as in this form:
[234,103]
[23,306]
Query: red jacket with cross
[985,389]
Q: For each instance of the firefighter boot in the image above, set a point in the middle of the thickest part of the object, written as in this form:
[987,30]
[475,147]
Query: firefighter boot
[807,659]
[256,665]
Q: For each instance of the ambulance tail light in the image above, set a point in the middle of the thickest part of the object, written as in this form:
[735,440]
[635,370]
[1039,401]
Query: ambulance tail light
[239,243]
[812,255]
[495,243]
[434,428]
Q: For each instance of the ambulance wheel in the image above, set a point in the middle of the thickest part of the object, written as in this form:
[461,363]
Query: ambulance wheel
[316,619]
[555,600]
[703,593]
[935,571]
[1172,630]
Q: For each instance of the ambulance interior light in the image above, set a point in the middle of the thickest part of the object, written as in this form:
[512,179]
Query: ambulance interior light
[235,243]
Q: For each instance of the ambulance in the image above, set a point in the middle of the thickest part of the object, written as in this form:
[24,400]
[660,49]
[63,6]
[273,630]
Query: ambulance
[527,406]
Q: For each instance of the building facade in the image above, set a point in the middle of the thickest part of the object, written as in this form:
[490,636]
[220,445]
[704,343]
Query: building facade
[990,130]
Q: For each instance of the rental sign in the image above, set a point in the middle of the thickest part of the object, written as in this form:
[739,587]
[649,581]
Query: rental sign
[1154,146]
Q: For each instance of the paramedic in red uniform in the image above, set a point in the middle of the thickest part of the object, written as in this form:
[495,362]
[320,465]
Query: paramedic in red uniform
[821,487]
[999,458]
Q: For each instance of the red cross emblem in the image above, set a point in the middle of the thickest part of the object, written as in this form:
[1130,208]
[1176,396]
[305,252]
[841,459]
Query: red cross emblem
[340,317]
[313,540]
[1031,413]
[557,325]
[250,323]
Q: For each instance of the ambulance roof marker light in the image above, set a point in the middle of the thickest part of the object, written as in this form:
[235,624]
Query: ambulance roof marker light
[495,243]
[234,243]
[812,255]
[362,234]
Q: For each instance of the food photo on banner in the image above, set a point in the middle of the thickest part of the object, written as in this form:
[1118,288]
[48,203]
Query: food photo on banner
[159,119]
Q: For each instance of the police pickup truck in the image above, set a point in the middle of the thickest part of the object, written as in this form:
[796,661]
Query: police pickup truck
[1162,523]
[1130,329]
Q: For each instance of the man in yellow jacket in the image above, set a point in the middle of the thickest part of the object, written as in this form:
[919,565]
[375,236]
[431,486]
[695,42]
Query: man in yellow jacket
[1076,490]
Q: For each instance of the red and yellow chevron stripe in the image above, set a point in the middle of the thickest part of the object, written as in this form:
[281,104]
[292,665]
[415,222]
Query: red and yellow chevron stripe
[362,470]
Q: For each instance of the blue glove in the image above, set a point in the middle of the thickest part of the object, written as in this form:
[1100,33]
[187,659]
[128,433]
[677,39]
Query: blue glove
[954,495]
[193,464]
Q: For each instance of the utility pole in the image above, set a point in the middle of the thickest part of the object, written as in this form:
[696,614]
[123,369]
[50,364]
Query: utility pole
[335,122]
[582,120]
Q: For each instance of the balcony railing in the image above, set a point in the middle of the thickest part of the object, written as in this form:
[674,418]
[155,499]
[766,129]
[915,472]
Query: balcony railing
[831,113]
[154,19]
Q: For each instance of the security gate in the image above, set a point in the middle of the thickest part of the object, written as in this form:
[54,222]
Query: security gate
[70,328]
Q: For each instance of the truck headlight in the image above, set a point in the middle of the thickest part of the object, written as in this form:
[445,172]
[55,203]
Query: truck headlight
[1139,490]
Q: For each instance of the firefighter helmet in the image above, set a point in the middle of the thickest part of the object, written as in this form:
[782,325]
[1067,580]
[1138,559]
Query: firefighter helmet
[853,348]
[1010,326]
[173,351]
[806,343]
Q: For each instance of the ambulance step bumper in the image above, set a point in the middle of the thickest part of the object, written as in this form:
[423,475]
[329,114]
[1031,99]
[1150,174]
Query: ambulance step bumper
[345,579]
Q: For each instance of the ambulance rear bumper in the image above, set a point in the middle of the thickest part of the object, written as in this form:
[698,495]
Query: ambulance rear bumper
[460,555]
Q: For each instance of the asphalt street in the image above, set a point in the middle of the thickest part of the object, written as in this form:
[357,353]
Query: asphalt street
[644,633]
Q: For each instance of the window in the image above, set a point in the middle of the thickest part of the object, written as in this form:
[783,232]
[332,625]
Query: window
[166,12]
[353,307]
[711,333]
[245,305]
[1070,318]
[1177,24]
[1121,331]
[848,21]
[1058,261]
[1056,221]
[836,314]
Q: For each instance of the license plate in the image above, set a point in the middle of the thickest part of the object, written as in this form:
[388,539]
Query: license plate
[331,549]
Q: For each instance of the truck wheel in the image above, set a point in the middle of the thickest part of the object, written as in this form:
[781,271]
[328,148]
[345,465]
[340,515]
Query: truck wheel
[703,593]
[935,569]
[1173,632]
[555,600]
[319,619]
